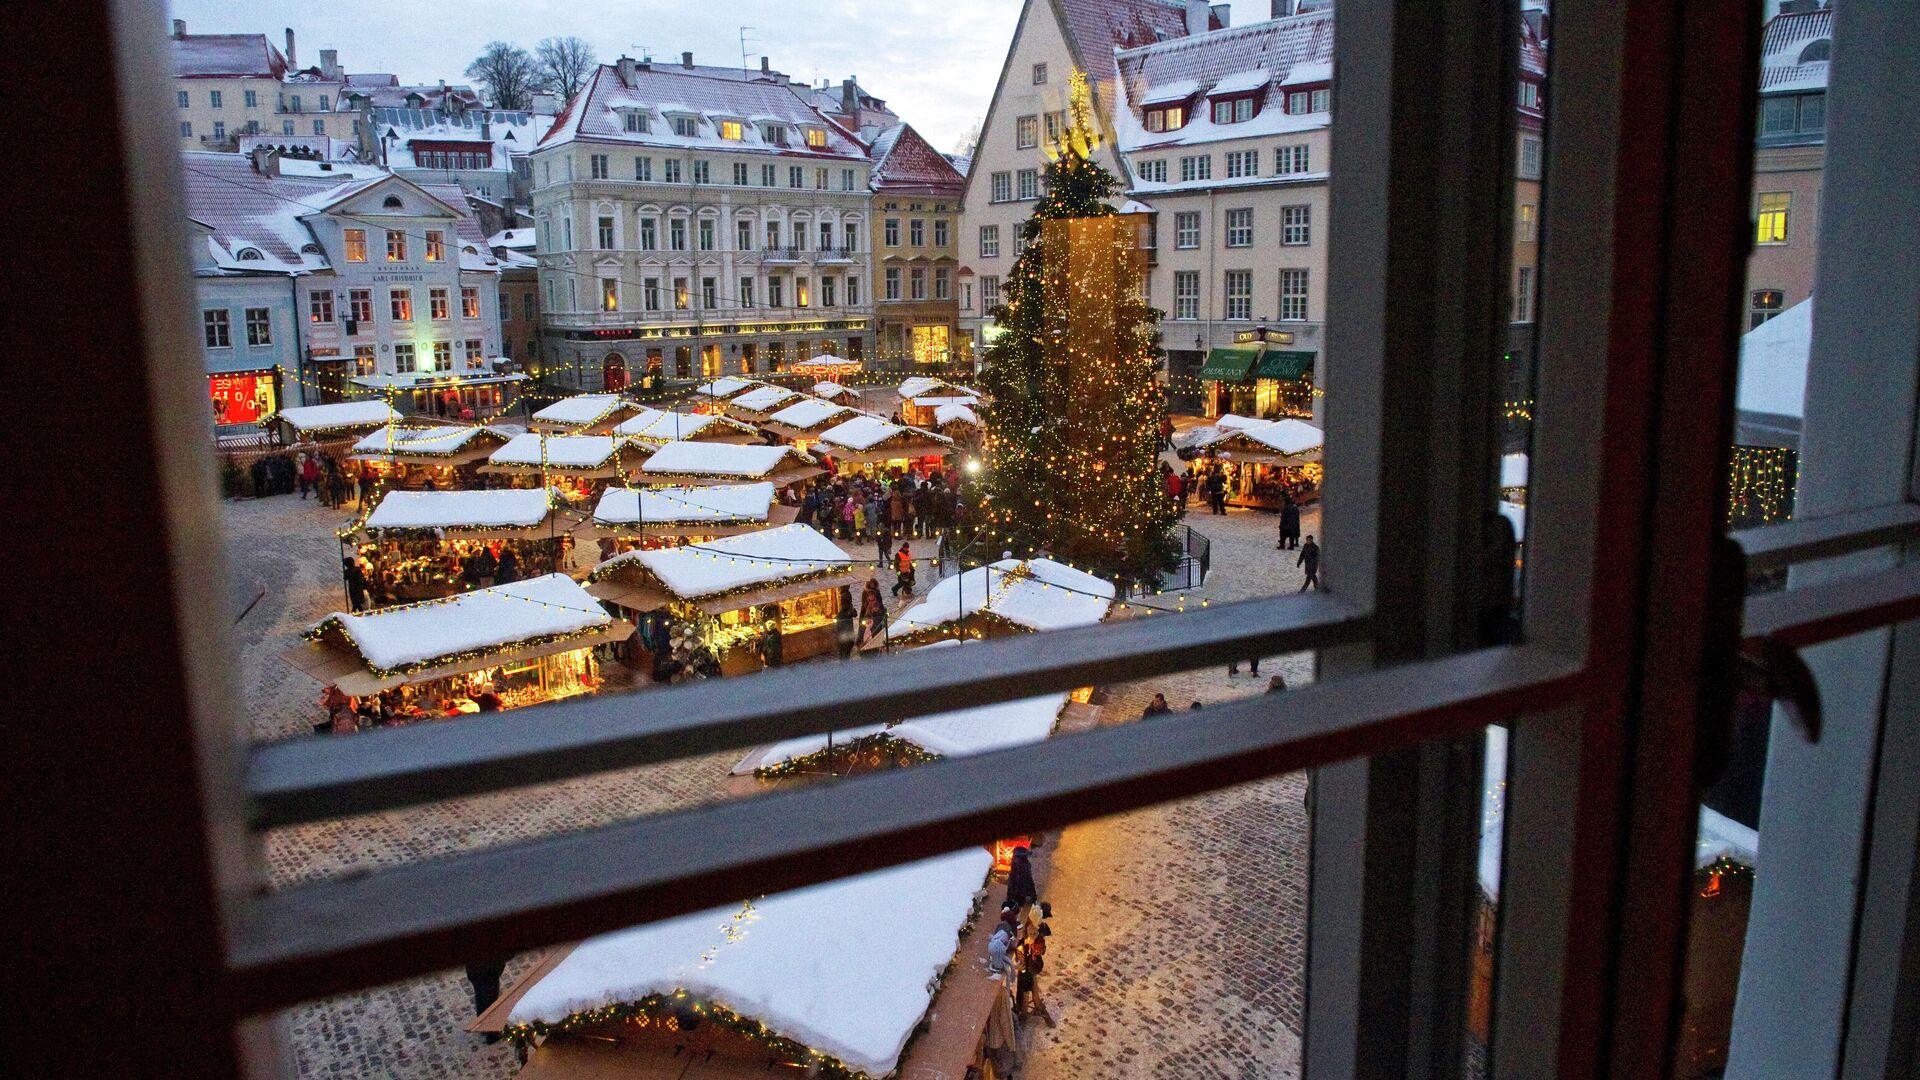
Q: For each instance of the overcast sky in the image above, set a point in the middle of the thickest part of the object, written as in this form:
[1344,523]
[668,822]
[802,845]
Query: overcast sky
[933,61]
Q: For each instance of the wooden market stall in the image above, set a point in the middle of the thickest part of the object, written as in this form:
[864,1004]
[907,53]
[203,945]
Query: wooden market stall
[959,423]
[728,590]
[420,545]
[584,414]
[340,421]
[524,642]
[631,518]
[802,422]
[1265,461]
[756,405]
[1012,596]
[656,426]
[836,393]
[922,396]
[581,465]
[695,464]
[710,395]
[869,444]
[439,456]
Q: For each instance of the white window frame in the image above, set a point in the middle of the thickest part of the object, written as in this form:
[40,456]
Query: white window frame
[1186,294]
[1186,229]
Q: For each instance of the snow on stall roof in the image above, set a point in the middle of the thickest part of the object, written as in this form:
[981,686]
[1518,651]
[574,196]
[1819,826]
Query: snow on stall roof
[808,412]
[947,414]
[450,509]
[715,459]
[581,409]
[865,432]
[1513,470]
[828,389]
[1721,837]
[656,425]
[934,401]
[337,414]
[1773,363]
[960,733]
[1039,594]
[674,505]
[846,968]
[731,384]
[919,385]
[565,451]
[737,562]
[1241,82]
[765,397]
[1288,436]
[397,637]
[442,439]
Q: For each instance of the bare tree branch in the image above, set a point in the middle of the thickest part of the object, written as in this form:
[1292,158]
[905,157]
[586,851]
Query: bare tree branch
[563,64]
[507,74]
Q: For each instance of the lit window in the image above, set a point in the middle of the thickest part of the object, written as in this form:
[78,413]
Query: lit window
[443,356]
[469,302]
[360,307]
[437,306]
[436,247]
[680,293]
[1525,226]
[1764,304]
[802,292]
[396,246]
[1771,224]
[732,130]
[817,138]
[400,305]
[320,306]
[475,349]
[356,241]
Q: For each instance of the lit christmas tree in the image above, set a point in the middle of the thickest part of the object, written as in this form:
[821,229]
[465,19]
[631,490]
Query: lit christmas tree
[1073,434]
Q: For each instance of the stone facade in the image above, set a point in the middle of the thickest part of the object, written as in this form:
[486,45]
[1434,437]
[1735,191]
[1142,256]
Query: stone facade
[916,212]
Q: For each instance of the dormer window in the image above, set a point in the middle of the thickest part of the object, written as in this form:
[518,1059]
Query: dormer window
[250,255]
[817,138]
[687,127]
[1167,118]
[1817,52]
[1303,102]
[391,202]
[634,120]
[773,134]
[1233,110]
[732,130]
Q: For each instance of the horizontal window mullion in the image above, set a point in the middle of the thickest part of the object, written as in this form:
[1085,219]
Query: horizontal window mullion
[1810,614]
[1802,539]
[328,938]
[312,780]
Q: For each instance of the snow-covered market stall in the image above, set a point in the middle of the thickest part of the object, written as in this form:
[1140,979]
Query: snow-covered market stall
[710,395]
[868,444]
[1012,596]
[836,393]
[584,414]
[655,426]
[438,456]
[761,402]
[500,647]
[419,545]
[730,595]
[582,465]
[696,464]
[802,422]
[629,518]
[1264,460]
[922,396]
[338,421]
[960,733]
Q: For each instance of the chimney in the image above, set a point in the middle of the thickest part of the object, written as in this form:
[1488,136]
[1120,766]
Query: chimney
[486,126]
[1222,15]
[290,60]
[686,60]
[1281,9]
[330,65]
[850,97]
[365,102]
[179,28]
[764,69]
[624,66]
[1197,12]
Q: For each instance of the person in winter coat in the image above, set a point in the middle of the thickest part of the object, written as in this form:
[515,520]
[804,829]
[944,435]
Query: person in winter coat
[1289,524]
[903,568]
[356,582]
[309,475]
[845,628]
[873,611]
[923,510]
[771,648]
[1157,707]
[1021,890]
[1309,560]
[1217,491]
[509,569]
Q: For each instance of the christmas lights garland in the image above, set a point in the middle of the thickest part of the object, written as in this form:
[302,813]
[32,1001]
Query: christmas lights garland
[876,749]
[334,622]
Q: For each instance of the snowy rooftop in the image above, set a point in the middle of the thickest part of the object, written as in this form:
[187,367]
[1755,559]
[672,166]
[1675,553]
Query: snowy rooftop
[654,425]
[563,451]
[807,413]
[905,162]
[1513,470]
[517,239]
[598,114]
[401,127]
[214,55]
[748,560]
[920,385]
[1317,71]
[582,409]
[1773,363]
[763,398]
[717,459]
[454,509]
[339,414]
[828,389]
[823,360]
[957,412]
[1038,594]
[950,734]
[845,968]
[442,439]
[1287,436]
[730,385]
[421,634]
[1171,92]
[866,432]
[1264,56]
[1241,82]
[679,505]
[1789,58]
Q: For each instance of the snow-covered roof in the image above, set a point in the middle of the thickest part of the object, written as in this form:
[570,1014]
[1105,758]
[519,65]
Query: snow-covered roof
[1513,470]
[956,412]
[517,239]
[1037,594]
[767,557]
[1721,837]
[404,130]
[763,398]
[846,968]
[201,56]
[865,432]
[1288,436]
[919,385]
[1785,42]
[808,412]
[502,508]
[655,425]
[1264,57]
[597,114]
[934,401]
[562,451]
[1773,363]
[905,163]
[679,505]
[336,415]
[1241,82]
[438,439]
[424,634]
[1312,71]
[582,409]
[960,733]
[717,459]
[728,386]
[823,360]
[828,389]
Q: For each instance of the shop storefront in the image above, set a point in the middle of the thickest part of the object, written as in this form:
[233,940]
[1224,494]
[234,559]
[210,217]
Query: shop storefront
[1254,379]
[243,398]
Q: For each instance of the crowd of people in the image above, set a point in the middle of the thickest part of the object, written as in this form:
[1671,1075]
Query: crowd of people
[1017,955]
[902,506]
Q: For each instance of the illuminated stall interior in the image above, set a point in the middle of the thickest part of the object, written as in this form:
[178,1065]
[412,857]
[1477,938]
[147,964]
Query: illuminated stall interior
[429,394]
[802,422]
[867,444]
[442,456]
[630,519]
[578,465]
[420,545]
[1265,461]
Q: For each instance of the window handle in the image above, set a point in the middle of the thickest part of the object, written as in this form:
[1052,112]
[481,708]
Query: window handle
[1764,666]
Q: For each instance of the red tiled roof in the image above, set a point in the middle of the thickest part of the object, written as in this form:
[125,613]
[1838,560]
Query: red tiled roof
[903,161]
[1097,27]
[200,56]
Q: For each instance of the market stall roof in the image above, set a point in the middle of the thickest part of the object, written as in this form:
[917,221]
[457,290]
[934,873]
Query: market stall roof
[582,411]
[1274,442]
[961,413]
[807,415]
[720,504]
[920,385]
[368,651]
[657,426]
[830,390]
[726,574]
[577,455]
[437,444]
[1513,470]
[460,511]
[1233,363]
[337,416]
[846,968]
[959,733]
[694,462]
[727,386]
[1032,594]
[869,438]
[763,399]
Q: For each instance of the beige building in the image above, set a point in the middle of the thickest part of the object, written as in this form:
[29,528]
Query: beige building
[916,212]
[693,223]
[1790,159]
[229,85]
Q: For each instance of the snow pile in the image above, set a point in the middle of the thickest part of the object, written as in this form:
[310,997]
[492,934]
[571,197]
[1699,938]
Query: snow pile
[340,414]
[1773,363]
[1038,594]
[805,414]
[416,440]
[844,968]
[581,410]
[393,638]
[714,459]
[766,397]
[678,505]
[456,509]
[753,559]
[562,451]
[950,734]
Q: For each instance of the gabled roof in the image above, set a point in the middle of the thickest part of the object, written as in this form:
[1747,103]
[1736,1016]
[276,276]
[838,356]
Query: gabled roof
[595,113]
[204,56]
[1262,58]
[905,162]
[1094,27]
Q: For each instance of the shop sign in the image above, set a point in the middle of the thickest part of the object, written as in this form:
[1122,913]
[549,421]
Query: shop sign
[241,399]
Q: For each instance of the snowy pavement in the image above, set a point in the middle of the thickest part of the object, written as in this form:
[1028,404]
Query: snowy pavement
[1180,926]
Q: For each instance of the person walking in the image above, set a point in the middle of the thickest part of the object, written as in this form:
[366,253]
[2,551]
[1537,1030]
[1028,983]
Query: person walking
[845,628]
[1157,707]
[1289,523]
[309,475]
[1233,667]
[923,511]
[903,570]
[873,611]
[1310,560]
[356,579]
[1021,890]
[484,976]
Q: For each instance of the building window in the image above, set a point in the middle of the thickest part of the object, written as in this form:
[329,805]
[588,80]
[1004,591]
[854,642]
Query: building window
[850,233]
[1764,304]
[400,304]
[739,174]
[686,127]
[773,236]
[680,297]
[677,234]
[1236,111]
[826,292]
[917,232]
[1153,172]
[826,236]
[1056,127]
[363,360]
[253,99]
[796,176]
[1243,163]
[746,292]
[1530,95]
[1003,187]
[180,98]
[1523,294]
[891,232]
[436,246]
[219,131]
[846,180]
[1291,160]
[1186,294]
[649,234]
[1029,181]
[892,284]
[1813,112]
[1240,227]
[1026,132]
[643,169]
[320,306]
[1239,293]
[403,357]
[989,293]
[1296,224]
[360,307]
[1530,159]
[1039,74]
[1186,229]
[671,173]
[214,322]
[443,356]
[1293,295]
[702,172]
[437,307]
[709,293]
[1020,242]
[802,292]
[917,283]
[966,295]
[708,241]
[1172,118]
[186,129]
[476,361]
[989,241]
[768,174]
[635,121]
[529,307]
[356,241]
[469,302]
[320,128]
[1524,227]
[1777,115]
[1196,168]
[776,291]
[605,233]
[743,235]
[853,291]
[650,293]
[1772,219]
[396,246]
[817,138]
[732,130]
[941,233]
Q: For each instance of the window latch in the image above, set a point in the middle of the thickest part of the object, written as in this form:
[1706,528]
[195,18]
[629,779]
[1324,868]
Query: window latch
[1764,667]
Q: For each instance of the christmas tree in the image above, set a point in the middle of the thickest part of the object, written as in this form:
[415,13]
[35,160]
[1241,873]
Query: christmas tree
[1073,432]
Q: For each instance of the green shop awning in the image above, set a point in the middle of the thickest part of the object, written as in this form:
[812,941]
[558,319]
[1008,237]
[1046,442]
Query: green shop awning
[1282,364]
[1230,363]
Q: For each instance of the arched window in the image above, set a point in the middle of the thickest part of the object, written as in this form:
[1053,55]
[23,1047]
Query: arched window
[1817,51]
[250,255]
[392,202]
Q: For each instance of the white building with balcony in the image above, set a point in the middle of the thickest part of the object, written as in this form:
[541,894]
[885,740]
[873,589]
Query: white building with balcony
[692,224]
